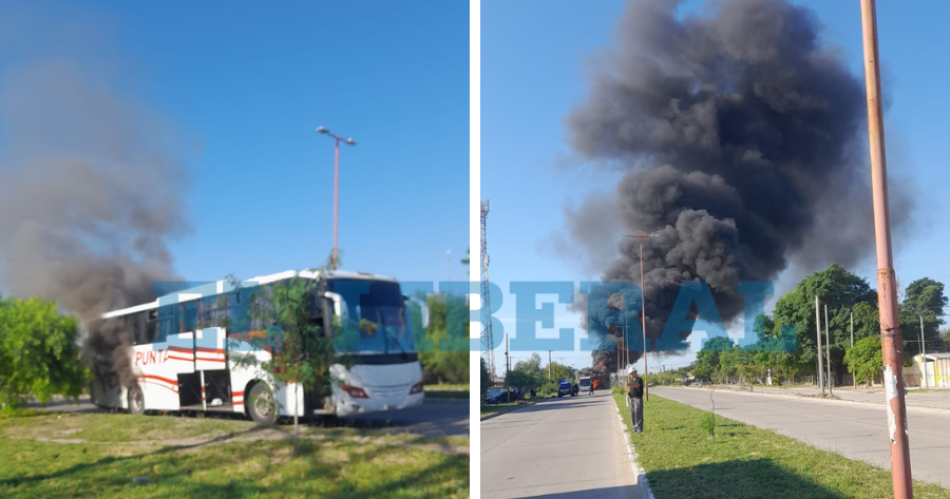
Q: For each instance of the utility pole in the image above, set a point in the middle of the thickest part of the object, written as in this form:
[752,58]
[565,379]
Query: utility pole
[643,315]
[549,365]
[507,369]
[448,265]
[625,355]
[336,189]
[853,379]
[923,351]
[821,369]
[828,353]
[891,340]
[488,340]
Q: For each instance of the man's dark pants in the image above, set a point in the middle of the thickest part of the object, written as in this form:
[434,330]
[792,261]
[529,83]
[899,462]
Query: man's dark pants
[636,414]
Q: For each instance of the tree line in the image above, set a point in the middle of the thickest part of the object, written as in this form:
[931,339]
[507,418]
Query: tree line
[846,295]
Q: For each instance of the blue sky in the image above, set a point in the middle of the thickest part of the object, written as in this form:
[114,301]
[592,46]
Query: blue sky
[534,69]
[246,83]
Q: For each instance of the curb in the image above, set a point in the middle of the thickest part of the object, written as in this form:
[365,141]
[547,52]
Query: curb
[909,408]
[642,484]
[506,411]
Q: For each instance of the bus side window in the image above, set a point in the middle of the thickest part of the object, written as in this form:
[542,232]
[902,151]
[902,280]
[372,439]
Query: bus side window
[189,316]
[167,321]
[151,327]
[135,324]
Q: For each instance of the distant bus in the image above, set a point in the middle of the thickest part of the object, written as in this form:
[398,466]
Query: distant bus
[185,357]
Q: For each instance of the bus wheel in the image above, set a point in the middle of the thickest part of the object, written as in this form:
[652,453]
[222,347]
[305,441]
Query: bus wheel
[261,406]
[136,401]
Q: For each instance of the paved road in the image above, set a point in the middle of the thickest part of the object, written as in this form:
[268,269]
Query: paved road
[854,430]
[442,418]
[561,448]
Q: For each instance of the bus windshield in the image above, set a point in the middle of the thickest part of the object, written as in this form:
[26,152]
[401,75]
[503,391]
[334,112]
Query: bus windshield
[379,313]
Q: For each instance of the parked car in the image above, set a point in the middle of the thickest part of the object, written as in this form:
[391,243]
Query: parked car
[563,389]
[496,396]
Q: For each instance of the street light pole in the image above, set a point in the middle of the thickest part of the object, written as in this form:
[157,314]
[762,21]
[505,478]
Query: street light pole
[336,189]
[891,339]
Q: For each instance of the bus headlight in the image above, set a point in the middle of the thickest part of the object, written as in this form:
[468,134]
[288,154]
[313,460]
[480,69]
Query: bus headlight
[355,391]
[416,388]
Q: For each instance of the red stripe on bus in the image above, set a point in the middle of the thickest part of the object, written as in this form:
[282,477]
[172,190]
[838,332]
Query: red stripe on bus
[152,376]
[159,384]
[202,349]
[238,402]
[181,358]
[237,394]
[210,360]
[180,349]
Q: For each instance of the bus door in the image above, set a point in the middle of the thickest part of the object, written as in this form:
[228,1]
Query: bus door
[212,366]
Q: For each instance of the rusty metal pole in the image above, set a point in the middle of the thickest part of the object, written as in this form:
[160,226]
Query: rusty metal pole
[828,355]
[891,340]
[821,368]
[643,317]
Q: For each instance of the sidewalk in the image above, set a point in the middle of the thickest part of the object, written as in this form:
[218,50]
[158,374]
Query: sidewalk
[570,448]
[915,398]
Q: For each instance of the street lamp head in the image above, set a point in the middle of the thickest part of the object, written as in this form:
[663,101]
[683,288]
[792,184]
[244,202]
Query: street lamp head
[350,141]
[321,129]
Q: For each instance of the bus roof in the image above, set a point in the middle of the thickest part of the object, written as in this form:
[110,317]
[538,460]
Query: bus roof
[219,287]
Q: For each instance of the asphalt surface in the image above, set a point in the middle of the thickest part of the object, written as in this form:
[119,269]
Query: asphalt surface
[438,418]
[853,429]
[571,447]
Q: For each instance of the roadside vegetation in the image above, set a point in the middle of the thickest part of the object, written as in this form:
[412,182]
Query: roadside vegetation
[846,295]
[39,353]
[686,452]
[448,391]
[493,409]
[117,455]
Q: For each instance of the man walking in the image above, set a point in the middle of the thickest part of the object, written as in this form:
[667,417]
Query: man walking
[635,394]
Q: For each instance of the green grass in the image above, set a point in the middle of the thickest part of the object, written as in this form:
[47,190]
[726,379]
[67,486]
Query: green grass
[448,391]
[98,455]
[489,409]
[741,461]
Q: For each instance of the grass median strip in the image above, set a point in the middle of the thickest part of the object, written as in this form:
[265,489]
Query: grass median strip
[682,459]
[75,456]
[495,409]
[448,391]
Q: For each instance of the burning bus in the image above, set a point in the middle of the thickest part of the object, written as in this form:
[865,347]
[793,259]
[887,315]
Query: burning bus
[184,353]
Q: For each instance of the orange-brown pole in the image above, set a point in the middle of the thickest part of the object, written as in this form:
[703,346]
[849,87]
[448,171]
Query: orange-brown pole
[643,318]
[891,340]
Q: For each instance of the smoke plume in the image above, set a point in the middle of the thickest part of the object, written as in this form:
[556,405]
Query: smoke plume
[740,133]
[90,194]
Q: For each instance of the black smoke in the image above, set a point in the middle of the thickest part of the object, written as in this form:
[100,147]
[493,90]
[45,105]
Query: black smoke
[91,182]
[740,135]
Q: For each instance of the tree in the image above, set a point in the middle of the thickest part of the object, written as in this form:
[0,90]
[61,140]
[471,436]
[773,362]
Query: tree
[842,291]
[448,359]
[531,366]
[923,298]
[708,358]
[865,360]
[301,351]
[39,353]
[517,378]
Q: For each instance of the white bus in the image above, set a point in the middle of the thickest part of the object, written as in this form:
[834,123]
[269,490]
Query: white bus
[185,358]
